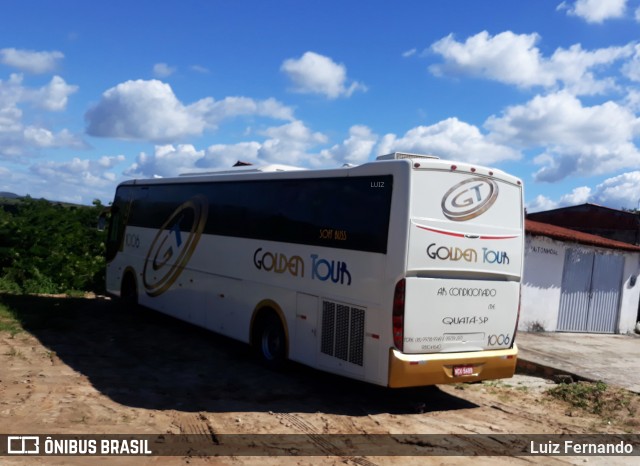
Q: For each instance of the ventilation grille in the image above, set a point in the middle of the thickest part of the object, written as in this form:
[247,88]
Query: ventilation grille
[343,332]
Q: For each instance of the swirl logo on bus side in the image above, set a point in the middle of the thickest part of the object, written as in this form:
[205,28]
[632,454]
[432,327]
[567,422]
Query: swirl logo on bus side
[469,199]
[171,249]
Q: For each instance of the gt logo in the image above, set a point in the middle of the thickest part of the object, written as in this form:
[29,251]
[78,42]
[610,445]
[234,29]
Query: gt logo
[172,248]
[469,199]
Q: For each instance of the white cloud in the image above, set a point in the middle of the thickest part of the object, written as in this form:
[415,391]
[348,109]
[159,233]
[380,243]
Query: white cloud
[167,160]
[631,69]
[213,112]
[79,166]
[595,11]
[226,155]
[10,114]
[162,70]
[449,139]
[199,69]
[622,191]
[30,60]
[142,110]
[43,138]
[560,118]
[11,91]
[19,138]
[149,110]
[632,100]
[51,97]
[507,57]
[290,143]
[287,144]
[409,53]
[293,144]
[576,68]
[618,192]
[13,181]
[54,96]
[576,140]
[577,196]
[356,149]
[515,59]
[77,180]
[316,74]
[541,203]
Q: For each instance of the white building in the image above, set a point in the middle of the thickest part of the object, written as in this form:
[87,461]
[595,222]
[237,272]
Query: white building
[578,282]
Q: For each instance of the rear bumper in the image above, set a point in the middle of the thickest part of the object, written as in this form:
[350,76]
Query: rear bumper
[414,370]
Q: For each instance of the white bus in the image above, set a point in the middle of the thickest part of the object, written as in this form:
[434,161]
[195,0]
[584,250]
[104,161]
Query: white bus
[400,272]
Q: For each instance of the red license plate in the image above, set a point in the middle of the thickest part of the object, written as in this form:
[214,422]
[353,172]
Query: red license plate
[462,370]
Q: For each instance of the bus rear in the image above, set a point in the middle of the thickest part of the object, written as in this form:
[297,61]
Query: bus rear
[455,312]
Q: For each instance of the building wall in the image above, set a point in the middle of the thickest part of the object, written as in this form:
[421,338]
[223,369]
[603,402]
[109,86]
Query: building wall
[543,265]
[542,283]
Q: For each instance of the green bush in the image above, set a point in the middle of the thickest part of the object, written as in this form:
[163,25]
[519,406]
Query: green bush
[9,286]
[40,284]
[51,248]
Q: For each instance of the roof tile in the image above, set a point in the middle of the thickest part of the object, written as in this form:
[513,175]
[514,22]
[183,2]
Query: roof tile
[555,232]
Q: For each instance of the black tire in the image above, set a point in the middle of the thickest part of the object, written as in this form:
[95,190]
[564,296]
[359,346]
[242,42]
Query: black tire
[270,342]
[129,293]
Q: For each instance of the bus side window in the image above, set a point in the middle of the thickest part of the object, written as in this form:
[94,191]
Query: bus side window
[114,224]
[114,232]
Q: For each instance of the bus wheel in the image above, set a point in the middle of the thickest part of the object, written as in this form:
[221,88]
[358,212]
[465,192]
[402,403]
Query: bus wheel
[129,293]
[271,342]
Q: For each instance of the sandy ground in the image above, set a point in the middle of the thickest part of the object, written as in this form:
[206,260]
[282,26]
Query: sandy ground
[101,370]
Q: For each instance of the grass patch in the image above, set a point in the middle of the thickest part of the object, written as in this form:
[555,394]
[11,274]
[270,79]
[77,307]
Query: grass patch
[19,313]
[8,320]
[584,395]
[612,404]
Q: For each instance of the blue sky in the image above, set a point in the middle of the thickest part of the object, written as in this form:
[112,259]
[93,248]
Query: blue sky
[93,93]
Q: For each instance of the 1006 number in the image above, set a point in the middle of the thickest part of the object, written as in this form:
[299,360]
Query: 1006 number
[132,241]
[498,340]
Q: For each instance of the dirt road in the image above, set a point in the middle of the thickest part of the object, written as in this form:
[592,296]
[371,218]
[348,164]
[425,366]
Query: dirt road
[85,367]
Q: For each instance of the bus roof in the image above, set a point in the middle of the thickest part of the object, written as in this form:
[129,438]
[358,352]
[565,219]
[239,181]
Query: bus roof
[416,161]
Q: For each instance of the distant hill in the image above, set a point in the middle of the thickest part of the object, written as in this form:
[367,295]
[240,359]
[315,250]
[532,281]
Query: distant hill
[11,200]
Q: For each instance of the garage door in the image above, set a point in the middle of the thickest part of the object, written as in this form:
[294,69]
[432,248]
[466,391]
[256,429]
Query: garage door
[590,298]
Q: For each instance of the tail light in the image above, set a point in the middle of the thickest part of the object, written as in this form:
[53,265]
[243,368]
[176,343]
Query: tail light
[398,315]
